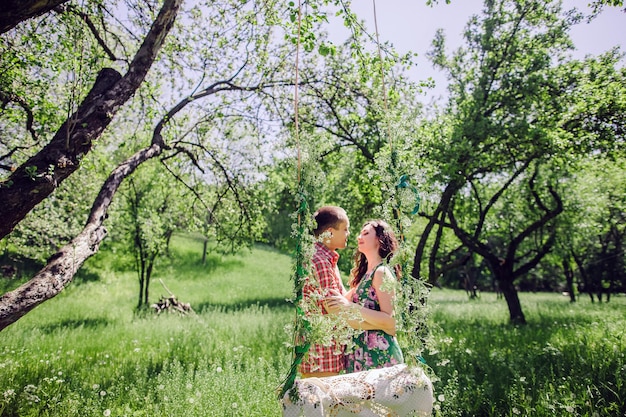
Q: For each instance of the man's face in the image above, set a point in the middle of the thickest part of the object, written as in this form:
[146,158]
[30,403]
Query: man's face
[339,239]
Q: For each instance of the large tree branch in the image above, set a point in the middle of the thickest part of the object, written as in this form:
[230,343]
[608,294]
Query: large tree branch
[62,266]
[442,207]
[534,261]
[14,12]
[548,215]
[496,196]
[33,181]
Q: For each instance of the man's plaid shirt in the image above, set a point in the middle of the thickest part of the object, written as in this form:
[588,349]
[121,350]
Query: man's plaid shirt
[324,266]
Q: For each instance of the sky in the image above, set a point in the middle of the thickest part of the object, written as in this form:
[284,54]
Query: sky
[411,25]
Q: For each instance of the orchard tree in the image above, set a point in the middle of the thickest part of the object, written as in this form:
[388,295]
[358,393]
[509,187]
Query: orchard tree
[504,140]
[153,205]
[34,176]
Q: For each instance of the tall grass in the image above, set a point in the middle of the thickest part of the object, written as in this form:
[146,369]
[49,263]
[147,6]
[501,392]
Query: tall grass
[85,352]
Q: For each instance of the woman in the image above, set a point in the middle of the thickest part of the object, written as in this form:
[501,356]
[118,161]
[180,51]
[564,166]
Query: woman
[371,295]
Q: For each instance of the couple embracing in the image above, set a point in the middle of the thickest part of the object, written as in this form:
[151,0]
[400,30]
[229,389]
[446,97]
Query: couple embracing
[369,299]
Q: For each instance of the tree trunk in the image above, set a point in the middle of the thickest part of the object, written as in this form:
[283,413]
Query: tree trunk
[516,315]
[146,290]
[569,279]
[142,282]
[204,250]
[38,177]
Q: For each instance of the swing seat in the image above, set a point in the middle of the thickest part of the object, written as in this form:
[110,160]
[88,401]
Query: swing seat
[394,391]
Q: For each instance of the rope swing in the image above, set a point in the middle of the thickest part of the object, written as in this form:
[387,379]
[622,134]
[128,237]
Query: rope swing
[301,326]
[399,390]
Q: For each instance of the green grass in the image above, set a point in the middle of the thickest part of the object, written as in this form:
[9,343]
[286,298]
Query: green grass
[568,360]
[85,352]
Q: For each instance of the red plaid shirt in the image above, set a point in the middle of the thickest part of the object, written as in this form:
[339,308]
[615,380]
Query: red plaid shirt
[324,266]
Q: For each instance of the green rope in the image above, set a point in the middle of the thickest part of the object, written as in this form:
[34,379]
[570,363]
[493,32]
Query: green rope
[302,325]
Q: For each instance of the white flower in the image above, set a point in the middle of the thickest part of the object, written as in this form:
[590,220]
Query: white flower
[191,400]
[95,386]
[107,413]
[103,393]
[218,369]
[515,410]
[234,405]
[441,398]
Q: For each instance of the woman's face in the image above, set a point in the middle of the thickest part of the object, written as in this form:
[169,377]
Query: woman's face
[367,240]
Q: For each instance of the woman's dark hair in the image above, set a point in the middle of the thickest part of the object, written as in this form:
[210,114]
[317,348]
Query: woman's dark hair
[388,248]
[328,216]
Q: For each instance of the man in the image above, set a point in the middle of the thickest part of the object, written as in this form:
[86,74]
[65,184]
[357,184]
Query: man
[331,233]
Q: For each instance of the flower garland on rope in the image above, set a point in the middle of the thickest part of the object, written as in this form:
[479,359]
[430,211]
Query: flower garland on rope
[310,325]
[412,313]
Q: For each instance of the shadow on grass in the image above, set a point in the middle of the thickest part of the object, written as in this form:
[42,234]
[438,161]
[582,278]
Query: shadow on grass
[272,303]
[90,323]
[16,270]
[191,265]
[85,275]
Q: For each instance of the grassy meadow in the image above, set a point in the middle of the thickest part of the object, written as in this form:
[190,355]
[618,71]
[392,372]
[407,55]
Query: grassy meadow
[85,352]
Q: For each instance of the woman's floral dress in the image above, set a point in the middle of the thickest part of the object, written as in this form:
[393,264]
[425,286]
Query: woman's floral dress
[372,348]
